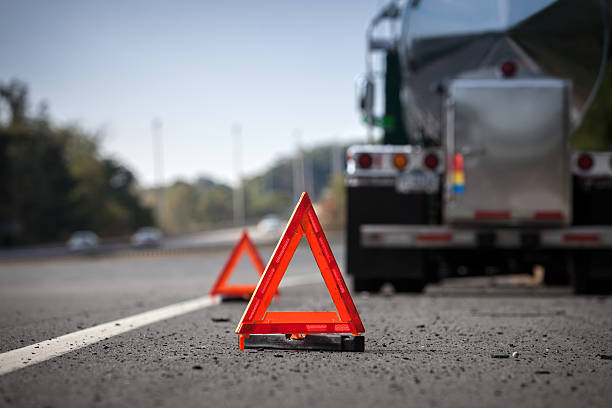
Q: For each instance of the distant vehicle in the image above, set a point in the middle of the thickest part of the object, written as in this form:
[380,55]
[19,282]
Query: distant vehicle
[269,223]
[82,241]
[147,237]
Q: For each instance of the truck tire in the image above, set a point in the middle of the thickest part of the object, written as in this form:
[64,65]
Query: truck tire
[584,280]
[556,271]
[371,267]
[403,269]
[367,285]
[408,285]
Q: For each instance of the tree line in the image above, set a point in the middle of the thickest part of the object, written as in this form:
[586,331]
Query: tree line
[189,206]
[54,179]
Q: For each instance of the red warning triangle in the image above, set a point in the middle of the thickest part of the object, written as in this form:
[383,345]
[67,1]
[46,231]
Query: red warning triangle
[256,319]
[221,287]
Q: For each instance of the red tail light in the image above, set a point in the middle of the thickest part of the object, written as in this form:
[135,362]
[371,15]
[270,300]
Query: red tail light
[365,161]
[585,161]
[508,69]
[431,161]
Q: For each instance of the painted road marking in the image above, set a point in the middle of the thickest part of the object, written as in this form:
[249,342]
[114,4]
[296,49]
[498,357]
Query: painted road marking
[55,347]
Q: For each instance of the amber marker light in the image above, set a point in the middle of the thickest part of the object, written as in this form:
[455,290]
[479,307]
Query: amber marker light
[400,161]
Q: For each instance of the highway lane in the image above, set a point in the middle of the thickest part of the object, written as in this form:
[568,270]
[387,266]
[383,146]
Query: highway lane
[213,239]
[40,300]
[450,347]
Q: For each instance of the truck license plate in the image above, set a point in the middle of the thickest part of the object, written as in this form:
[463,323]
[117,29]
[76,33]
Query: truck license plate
[417,181]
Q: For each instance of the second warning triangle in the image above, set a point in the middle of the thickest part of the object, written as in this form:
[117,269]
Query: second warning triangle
[221,286]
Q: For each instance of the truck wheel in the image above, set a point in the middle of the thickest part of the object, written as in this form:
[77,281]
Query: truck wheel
[583,280]
[556,272]
[408,285]
[367,285]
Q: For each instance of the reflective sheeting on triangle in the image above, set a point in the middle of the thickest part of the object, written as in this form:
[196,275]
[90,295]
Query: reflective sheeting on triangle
[256,319]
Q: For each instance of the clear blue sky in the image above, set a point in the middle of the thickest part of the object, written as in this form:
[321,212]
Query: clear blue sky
[200,66]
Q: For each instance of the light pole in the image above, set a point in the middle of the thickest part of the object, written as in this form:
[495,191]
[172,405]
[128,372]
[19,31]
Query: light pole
[238,196]
[336,159]
[298,167]
[158,164]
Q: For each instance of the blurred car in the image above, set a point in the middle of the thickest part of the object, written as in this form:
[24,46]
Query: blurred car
[269,223]
[82,241]
[147,237]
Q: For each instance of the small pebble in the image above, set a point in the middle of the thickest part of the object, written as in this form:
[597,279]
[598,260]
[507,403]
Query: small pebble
[515,354]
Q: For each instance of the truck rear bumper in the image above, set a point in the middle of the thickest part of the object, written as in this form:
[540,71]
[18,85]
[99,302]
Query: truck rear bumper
[438,236]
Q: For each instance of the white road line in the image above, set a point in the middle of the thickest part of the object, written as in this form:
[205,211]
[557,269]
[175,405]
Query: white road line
[36,353]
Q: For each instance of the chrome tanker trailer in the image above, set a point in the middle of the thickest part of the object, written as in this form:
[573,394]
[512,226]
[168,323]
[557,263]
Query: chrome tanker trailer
[475,173]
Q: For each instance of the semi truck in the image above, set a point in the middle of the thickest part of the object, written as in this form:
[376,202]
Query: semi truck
[474,104]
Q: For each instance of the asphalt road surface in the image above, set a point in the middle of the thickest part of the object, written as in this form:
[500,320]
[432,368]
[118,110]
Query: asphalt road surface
[470,342]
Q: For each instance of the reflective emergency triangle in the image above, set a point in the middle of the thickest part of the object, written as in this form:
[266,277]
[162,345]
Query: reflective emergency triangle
[256,320]
[220,287]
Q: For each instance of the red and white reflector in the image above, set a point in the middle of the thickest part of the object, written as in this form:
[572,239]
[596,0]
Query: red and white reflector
[548,215]
[435,237]
[491,214]
[581,237]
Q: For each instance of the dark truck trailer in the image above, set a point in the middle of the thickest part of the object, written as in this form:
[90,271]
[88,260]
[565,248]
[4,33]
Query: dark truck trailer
[475,175]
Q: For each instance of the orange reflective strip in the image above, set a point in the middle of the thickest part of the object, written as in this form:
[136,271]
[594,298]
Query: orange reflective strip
[236,290]
[298,329]
[302,317]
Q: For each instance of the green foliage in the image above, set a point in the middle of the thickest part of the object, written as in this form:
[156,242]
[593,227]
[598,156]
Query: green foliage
[261,201]
[595,133]
[36,185]
[318,160]
[332,206]
[191,207]
[54,181]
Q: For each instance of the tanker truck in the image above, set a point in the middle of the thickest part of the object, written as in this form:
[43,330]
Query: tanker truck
[474,104]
